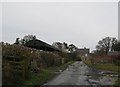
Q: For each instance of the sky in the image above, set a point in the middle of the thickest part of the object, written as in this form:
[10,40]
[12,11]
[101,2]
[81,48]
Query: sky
[80,23]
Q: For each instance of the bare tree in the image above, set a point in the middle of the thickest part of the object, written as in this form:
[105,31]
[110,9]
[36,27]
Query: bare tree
[17,41]
[106,44]
[72,48]
[65,45]
[25,39]
[116,46]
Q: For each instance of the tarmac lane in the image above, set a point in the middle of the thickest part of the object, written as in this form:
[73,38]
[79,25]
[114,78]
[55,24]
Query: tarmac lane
[80,74]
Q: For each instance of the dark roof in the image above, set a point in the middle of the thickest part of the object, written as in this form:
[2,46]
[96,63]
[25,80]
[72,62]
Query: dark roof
[38,44]
[83,51]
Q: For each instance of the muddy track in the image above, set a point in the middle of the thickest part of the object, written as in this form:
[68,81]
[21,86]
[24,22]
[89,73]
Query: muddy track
[80,74]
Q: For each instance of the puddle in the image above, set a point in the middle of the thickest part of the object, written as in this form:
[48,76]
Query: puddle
[99,77]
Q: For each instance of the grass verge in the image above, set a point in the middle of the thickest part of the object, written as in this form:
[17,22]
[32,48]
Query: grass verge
[45,74]
[40,77]
[109,67]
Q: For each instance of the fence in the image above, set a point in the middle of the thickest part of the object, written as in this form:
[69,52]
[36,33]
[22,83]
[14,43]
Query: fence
[15,69]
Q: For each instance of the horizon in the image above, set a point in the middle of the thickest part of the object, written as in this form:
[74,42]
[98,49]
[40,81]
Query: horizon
[58,41]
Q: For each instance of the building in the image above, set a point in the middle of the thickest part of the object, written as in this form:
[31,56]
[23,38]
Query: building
[83,51]
[38,44]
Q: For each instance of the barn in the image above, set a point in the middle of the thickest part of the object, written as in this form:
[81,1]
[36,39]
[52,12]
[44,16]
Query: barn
[38,44]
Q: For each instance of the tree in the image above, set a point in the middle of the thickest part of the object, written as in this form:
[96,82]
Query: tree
[25,39]
[28,38]
[17,41]
[65,45]
[106,44]
[59,45]
[114,43]
[116,46]
[72,48]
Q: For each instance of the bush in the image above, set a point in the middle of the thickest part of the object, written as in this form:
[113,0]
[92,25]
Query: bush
[116,59]
[50,59]
[16,63]
[19,62]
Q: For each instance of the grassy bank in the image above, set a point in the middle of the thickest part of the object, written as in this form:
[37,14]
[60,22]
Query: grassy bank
[107,66]
[45,74]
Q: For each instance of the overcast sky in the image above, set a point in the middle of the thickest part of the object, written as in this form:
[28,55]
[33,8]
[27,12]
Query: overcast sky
[80,23]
